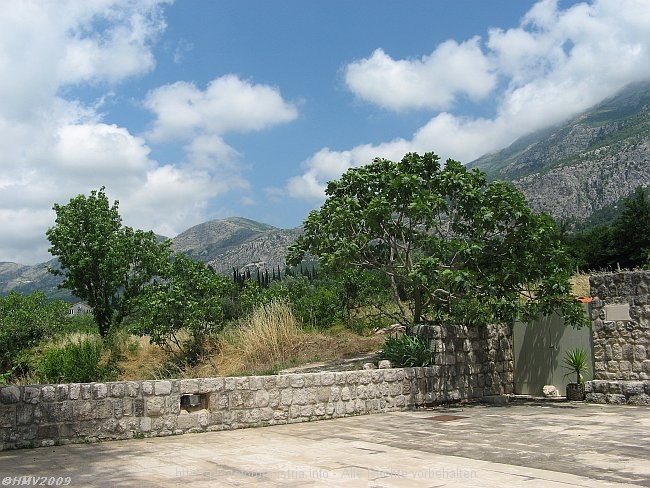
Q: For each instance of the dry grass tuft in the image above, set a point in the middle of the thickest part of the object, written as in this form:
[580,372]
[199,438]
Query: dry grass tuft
[269,338]
[140,360]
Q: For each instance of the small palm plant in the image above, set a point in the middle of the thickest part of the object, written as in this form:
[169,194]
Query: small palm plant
[576,362]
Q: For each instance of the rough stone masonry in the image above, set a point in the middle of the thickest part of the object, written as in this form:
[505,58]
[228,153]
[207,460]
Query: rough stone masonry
[620,314]
[469,364]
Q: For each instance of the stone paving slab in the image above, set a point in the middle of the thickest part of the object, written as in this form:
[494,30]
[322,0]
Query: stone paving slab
[529,445]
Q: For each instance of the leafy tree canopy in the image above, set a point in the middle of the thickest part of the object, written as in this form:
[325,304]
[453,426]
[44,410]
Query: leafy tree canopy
[187,298]
[622,243]
[103,262]
[455,248]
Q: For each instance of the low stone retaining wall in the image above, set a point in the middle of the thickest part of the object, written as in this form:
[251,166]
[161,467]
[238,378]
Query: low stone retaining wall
[44,415]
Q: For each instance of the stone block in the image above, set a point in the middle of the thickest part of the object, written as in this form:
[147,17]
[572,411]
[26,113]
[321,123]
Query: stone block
[255,383]
[48,432]
[625,366]
[104,409]
[230,384]
[138,407]
[24,414]
[61,393]
[274,397]
[31,394]
[187,421]
[147,388]
[9,394]
[639,353]
[639,399]
[162,387]
[7,416]
[48,393]
[117,390]
[210,385]
[84,410]
[632,387]
[596,398]
[99,390]
[189,386]
[74,392]
[615,398]
[261,398]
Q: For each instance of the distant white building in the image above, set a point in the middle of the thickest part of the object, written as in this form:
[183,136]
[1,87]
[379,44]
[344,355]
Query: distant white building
[79,308]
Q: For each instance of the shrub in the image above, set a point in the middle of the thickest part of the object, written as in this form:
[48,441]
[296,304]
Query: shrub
[76,362]
[24,321]
[406,351]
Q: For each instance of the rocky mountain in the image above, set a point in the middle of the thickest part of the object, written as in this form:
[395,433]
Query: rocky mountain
[223,244]
[27,279]
[584,165]
[236,243]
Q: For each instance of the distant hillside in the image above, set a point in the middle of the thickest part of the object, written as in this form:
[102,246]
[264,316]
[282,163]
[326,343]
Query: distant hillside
[27,279]
[223,244]
[587,164]
[236,243]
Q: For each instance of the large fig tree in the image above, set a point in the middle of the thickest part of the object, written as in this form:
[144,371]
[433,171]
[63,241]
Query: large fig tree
[454,247]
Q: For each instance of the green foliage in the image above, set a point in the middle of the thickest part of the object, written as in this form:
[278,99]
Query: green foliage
[75,362]
[576,362]
[24,321]
[406,351]
[624,243]
[317,304]
[453,247]
[103,262]
[4,376]
[188,298]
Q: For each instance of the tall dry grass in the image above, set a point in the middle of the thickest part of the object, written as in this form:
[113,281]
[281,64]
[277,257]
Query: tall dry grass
[269,338]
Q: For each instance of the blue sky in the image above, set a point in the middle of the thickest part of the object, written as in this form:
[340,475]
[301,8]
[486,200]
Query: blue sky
[193,110]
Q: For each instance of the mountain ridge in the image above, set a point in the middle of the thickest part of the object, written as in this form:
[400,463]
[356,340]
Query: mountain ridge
[593,160]
[223,244]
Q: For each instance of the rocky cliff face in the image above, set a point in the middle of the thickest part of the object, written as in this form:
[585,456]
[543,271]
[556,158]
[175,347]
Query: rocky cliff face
[236,243]
[592,161]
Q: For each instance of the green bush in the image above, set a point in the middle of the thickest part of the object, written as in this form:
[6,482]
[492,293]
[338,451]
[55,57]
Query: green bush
[24,321]
[406,351]
[317,304]
[75,362]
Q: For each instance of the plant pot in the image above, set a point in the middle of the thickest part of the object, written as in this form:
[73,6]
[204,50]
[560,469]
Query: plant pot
[575,392]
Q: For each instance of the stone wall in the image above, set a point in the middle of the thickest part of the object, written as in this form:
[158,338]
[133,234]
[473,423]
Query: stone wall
[41,415]
[620,314]
[471,362]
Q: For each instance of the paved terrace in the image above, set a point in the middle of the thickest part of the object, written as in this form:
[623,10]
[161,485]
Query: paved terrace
[518,444]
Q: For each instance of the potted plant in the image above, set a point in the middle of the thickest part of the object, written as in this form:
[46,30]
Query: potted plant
[576,362]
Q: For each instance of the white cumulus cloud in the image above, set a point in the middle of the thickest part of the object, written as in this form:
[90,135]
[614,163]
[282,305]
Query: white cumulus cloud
[431,82]
[52,146]
[554,64]
[228,104]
